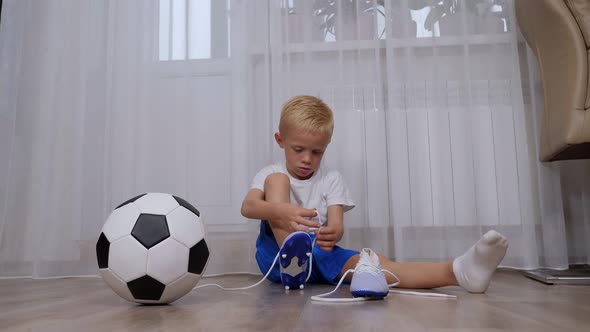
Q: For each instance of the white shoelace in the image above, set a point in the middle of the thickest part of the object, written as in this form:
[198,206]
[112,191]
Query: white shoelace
[269,270]
[263,278]
[323,297]
[363,267]
[372,269]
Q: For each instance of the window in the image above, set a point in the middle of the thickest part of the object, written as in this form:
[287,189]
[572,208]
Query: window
[194,29]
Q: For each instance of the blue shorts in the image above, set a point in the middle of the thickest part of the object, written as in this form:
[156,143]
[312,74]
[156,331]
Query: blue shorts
[326,265]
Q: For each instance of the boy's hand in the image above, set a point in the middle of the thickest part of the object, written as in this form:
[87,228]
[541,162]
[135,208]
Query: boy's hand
[326,237]
[291,218]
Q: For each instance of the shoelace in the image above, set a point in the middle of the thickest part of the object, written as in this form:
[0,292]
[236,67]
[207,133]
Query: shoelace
[269,270]
[372,269]
[363,267]
[322,297]
[263,278]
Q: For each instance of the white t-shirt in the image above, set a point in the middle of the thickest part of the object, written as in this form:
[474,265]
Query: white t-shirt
[324,188]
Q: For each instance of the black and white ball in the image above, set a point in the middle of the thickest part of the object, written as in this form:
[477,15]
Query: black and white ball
[152,248]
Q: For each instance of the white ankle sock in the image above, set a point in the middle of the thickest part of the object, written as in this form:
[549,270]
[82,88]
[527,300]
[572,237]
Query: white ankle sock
[475,267]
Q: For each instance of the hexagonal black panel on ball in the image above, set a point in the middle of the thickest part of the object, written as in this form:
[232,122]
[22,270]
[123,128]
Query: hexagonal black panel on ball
[150,229]
[197,258]
[146,288]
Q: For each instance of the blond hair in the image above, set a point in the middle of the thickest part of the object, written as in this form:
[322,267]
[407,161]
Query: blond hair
[306,113]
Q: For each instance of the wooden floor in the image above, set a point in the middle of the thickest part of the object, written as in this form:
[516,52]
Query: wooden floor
[512,303]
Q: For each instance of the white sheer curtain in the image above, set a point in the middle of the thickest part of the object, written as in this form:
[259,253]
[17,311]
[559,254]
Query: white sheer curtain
[93,114]
[436,125]
[437,108]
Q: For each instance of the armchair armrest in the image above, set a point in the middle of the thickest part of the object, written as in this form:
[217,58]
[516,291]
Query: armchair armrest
[554,35]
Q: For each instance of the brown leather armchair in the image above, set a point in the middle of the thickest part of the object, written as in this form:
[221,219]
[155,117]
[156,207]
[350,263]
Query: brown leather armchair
[558,32]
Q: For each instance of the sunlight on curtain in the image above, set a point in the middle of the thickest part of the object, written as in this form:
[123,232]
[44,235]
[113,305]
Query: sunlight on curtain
[193,29]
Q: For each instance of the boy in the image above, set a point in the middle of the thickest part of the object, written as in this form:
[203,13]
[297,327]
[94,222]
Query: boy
[298,200]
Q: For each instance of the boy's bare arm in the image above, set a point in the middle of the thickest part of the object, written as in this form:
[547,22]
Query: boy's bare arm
[328,236]
[255,207]
[282,215]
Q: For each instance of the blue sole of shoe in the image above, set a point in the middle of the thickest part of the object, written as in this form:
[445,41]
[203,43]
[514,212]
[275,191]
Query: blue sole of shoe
[296,246]
[369,294]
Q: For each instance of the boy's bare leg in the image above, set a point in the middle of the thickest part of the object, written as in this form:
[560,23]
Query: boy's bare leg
[277,189]
[473,270]
[411,274]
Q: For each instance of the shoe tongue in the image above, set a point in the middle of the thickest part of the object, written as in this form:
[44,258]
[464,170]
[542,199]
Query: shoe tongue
[369,255]
[369,262]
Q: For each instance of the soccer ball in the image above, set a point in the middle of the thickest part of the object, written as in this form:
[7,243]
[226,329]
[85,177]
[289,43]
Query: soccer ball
[152,249]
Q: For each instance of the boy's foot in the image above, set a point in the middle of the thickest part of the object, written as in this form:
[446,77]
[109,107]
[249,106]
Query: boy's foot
[368,279]
[474,269]
[294,255]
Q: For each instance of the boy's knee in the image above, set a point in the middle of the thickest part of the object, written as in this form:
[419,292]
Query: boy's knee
[277,180]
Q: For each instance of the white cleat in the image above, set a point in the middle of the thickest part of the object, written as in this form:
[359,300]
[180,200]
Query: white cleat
[286,287]
[301,286]
[284,256]
[368,279]
[308,254]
